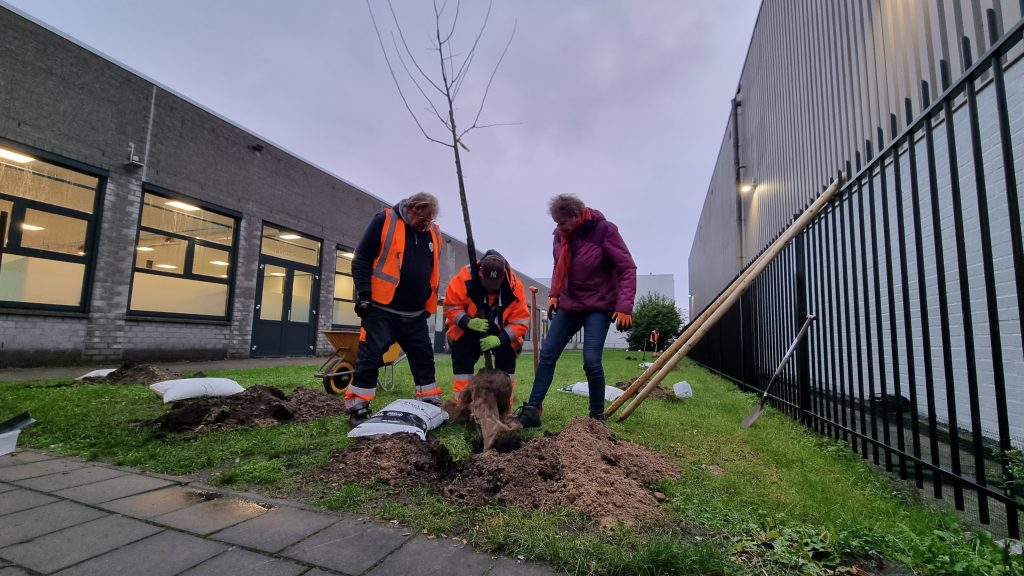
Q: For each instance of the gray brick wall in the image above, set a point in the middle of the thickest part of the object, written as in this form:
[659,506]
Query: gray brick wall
[65,100]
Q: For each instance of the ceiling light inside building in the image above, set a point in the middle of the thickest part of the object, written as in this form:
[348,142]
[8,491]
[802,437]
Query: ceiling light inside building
[277,273]
[348,255]
[289,236]
[145,249]
[219,263]
[15,157]
[182,205]
[166,266]
[31,227]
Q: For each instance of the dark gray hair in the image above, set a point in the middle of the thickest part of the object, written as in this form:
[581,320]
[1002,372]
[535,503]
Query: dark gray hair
[565,206]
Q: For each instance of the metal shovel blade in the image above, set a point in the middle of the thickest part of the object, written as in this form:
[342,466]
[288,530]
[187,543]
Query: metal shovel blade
[16,423]
[758,410]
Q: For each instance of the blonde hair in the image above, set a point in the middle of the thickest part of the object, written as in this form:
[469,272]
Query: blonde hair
[565,206]
[423,203]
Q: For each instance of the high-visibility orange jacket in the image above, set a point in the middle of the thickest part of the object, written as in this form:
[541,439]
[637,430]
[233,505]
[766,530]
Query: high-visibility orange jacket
[387,266]
[508,307]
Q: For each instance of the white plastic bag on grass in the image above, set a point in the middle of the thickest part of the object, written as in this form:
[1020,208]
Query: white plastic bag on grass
[583,389]
[96,373]
[182,388]
[403,415]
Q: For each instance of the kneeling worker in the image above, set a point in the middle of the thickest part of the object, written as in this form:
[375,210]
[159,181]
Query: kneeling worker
[470,333]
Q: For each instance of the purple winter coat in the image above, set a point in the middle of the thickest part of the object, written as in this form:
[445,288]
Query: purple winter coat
[602,276]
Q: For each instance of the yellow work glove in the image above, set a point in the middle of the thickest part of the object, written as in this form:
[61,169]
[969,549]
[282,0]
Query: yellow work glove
[622,321]
[478,324]
[489,343]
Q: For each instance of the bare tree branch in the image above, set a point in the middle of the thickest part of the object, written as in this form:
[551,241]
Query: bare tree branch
[391,70]
[408,51]
[495,71]
[415,83]
[475,126]
[465,64]
[455,21]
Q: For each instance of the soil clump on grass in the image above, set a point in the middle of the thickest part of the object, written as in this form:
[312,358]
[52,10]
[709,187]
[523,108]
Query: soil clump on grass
[584,468]
[137,374]
[256,406]
[658,392]
[399,460]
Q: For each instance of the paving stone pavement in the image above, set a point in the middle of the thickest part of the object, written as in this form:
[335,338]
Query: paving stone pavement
[70,517]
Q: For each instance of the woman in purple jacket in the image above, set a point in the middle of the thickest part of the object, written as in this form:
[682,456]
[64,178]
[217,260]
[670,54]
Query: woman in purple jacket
[593,285]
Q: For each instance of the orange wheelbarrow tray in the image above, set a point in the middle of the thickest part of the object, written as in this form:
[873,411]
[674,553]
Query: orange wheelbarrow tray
[338,370]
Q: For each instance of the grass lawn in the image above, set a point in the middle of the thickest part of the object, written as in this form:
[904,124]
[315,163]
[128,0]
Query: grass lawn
[771,499]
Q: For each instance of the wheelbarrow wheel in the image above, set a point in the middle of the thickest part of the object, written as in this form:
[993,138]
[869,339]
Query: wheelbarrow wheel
[339,379]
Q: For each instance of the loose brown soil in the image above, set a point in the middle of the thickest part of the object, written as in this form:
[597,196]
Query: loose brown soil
[256,406]
[584,468]
[658,393]
[400,460]
[137,374]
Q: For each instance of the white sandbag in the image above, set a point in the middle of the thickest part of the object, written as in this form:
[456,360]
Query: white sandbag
[404,415]
[646,364]
[96,373]
[182,388]
[682,389]
[583,389]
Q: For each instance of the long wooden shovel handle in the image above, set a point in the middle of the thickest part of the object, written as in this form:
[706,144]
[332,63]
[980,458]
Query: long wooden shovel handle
[695,330]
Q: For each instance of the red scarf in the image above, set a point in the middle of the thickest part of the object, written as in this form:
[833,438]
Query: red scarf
[561,278]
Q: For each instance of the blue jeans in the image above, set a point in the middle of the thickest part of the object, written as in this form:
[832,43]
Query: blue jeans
[560,331]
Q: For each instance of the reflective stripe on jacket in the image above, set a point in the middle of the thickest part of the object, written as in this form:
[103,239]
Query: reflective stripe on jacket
[510,300]
[387,267]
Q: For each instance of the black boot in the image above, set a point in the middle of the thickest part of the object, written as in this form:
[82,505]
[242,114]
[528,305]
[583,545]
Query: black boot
[357,416]
[528,416]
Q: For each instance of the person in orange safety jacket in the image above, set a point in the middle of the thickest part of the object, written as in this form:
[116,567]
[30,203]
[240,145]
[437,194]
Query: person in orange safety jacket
[470,332]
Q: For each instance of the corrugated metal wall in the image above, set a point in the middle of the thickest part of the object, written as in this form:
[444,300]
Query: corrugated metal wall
[820,79]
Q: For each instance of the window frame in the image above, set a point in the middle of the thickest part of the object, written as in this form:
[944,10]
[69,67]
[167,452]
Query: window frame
[17,215]
[190,249]
[335,325]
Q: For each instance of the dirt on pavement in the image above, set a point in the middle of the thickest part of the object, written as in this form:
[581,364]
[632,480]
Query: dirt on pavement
[256,406]
[584,468]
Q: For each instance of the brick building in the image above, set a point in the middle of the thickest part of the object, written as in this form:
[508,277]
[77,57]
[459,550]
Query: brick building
[142,226]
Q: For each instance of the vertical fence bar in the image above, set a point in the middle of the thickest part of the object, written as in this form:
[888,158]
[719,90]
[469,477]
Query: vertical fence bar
[857,316]
[835,335]
[940,270]
[990,290]
[908,327]
[965,290]
[823,385]
[876,272]
[803,349]
[864,272]
[1013,208]
[846,246]
[922,288]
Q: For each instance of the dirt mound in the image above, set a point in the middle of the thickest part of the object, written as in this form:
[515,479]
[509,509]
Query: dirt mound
[658,393]
[256,406]
[136,374]
[584,468]
[399,460]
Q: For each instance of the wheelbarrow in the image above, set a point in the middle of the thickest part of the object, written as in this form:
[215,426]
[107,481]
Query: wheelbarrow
[338,370]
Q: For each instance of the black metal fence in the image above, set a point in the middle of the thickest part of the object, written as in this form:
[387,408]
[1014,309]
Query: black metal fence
[916,275]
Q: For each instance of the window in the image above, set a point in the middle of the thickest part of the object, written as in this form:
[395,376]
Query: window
[288,245]
[184,259]
[344,290]
[51,223]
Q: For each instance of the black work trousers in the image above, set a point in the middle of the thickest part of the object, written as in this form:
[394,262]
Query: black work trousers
[382,329]
[466,352]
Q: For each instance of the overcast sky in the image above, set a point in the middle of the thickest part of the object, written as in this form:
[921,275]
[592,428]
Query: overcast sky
[623,102]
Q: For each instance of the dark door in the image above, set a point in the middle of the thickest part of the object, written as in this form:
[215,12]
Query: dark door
[285,315]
